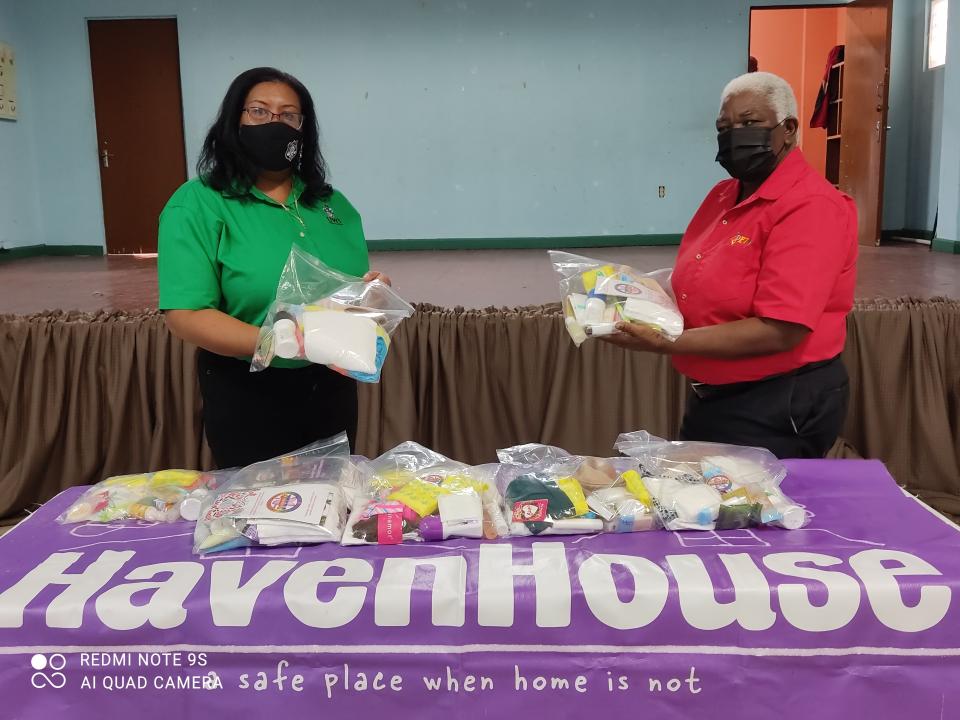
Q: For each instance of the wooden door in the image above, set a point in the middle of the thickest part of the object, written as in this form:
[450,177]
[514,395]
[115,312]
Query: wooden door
[136,90]
[865,87]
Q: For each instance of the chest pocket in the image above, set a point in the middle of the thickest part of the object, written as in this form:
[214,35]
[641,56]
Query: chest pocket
[729,271]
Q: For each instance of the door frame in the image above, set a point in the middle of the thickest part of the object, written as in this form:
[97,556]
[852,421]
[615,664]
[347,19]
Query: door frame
[886,83]
[795,6]
[93,140]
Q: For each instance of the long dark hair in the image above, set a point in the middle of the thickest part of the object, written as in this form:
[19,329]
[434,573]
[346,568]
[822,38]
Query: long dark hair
[223,164]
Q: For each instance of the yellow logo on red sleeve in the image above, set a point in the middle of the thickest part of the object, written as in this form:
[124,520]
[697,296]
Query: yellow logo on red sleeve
[740,239]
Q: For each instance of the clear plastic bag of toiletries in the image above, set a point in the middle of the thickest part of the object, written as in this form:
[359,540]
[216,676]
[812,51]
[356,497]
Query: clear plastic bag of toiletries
[330,318]
[712,486]
[548,491]
[596,295]
[162,496]
[413,494]
[531,454]
[296,499]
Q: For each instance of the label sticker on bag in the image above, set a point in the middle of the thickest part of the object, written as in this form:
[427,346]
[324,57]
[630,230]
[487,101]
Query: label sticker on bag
[301,502]
[389,528]
[530,510]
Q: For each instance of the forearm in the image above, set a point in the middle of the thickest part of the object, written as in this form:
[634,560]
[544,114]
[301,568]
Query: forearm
[740,339]
[214,330]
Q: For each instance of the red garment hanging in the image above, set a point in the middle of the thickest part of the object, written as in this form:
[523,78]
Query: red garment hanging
[821,108]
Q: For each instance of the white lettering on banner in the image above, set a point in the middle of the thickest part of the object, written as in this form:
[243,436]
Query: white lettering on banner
[66,610]
[750,606]
[495,585]
[842,596]
[886,597]
[357,682]
[745,599]
[623,682]
[552,682]
[674,684]
[300,592]
[453,683]
[395,589]
[279,680]
[650,592]
[232,603]
[164,609]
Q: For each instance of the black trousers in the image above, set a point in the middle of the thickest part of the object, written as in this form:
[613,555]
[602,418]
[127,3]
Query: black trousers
[795,415]
[249,417]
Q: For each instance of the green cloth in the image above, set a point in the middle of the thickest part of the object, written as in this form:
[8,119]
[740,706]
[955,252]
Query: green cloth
[538,486]
[227,253]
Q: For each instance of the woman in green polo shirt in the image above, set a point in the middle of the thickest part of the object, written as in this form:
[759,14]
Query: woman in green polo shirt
[224,239]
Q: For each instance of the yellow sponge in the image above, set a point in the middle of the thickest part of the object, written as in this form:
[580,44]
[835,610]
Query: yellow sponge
[574,490]
[592,277]
[636,487]
[419,496]
[183,478]
[463,483]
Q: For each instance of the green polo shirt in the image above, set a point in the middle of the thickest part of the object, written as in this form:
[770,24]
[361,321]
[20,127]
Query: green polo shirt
[227,253]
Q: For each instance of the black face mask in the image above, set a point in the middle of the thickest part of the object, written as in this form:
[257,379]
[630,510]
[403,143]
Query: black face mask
[746,154]
[273,146]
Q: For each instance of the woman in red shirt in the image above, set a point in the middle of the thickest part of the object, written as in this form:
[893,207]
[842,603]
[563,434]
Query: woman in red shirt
[764,279]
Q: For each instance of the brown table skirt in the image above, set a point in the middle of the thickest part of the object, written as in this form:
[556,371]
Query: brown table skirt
[85,396]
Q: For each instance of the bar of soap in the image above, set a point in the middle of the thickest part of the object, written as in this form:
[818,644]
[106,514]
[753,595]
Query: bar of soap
[346,340]
[460,508]
[647,312]
[697,503]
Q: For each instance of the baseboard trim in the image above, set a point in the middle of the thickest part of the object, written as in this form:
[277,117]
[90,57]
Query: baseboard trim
[946,246]
[907,233]
[524,243]
[28,251]
[507,243]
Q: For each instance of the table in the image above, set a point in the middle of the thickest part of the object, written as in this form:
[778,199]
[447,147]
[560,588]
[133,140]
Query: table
[853,617]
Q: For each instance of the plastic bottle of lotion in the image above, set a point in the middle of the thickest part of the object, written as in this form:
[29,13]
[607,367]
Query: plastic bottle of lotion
[286,342]
[593,313]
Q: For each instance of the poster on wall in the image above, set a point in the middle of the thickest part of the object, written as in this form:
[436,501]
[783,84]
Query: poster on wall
[8,83]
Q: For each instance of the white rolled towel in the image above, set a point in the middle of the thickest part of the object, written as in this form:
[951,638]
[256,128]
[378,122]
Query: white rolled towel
[344,339]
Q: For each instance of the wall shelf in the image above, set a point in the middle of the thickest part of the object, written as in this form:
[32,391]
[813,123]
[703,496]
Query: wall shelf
[834,123]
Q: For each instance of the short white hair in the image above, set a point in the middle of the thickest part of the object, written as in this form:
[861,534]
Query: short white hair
[774,88]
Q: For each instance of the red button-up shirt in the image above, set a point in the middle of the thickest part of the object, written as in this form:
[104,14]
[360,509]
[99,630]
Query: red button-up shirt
[788,252]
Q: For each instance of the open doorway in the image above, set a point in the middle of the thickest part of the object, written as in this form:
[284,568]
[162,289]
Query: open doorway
[837,60]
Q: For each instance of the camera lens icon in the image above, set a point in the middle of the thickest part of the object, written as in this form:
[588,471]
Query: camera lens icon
[54,679]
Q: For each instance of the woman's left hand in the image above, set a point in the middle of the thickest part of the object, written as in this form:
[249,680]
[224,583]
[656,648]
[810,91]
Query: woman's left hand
[376,275]
[639,338]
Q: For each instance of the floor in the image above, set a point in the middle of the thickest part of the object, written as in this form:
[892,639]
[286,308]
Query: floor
[468,278]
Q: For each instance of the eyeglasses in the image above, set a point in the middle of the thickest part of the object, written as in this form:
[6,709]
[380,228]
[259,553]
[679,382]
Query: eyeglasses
[261,116]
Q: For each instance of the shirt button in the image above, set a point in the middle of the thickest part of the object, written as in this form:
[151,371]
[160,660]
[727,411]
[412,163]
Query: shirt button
[302,234]
[699,256]
[724,222]
[683,297]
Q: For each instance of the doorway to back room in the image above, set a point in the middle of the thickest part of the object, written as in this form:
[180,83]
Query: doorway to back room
[836,59]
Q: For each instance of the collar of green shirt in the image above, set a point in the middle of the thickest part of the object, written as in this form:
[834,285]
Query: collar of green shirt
[295,192]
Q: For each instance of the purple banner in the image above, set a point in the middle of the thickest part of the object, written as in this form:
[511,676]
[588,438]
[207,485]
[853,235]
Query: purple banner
[853,616]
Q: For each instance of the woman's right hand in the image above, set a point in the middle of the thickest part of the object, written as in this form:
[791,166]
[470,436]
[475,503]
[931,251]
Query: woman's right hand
[214,330]
[640,338]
